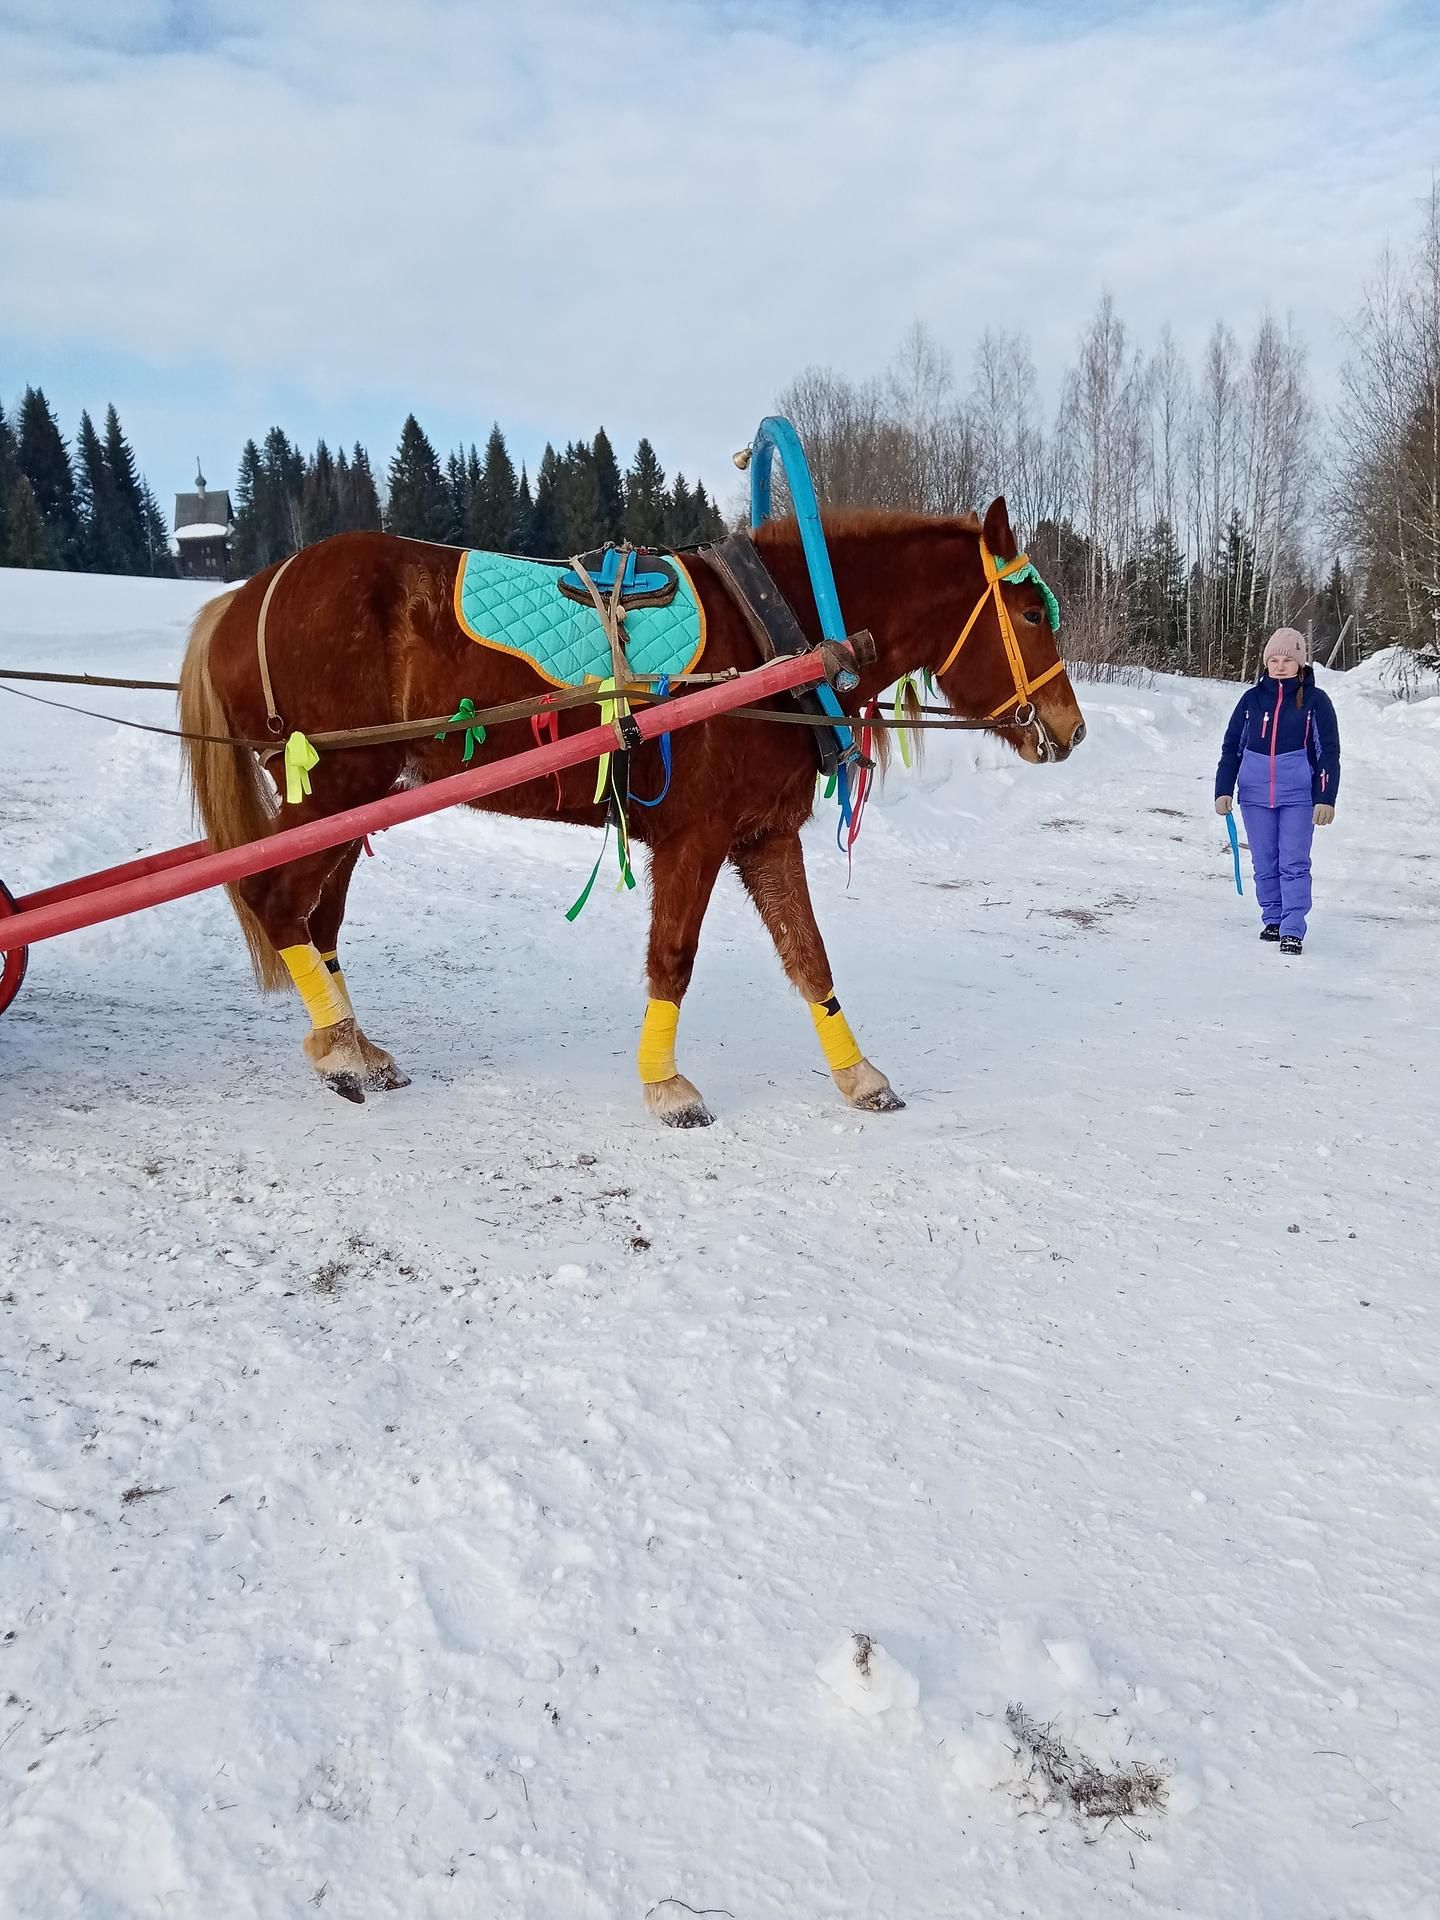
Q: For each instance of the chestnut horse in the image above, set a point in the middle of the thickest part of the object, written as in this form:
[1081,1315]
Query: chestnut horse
[361,631]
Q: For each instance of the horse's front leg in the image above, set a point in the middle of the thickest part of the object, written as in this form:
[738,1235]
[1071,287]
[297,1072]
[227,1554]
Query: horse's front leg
[682,877]
[773,871]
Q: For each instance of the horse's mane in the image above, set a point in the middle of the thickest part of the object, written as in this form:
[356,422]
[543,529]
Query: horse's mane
[856,522]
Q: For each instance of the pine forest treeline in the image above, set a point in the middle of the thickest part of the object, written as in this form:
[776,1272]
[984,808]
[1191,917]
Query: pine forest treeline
[1181,506]
[83,505]
[85,508]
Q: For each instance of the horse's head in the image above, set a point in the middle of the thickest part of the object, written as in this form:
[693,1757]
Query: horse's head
[1002,661]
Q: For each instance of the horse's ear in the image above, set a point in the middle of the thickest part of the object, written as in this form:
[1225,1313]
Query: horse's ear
[998,536]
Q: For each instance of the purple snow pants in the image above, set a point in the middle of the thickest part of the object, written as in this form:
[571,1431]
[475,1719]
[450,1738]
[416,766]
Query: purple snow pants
[1280,832]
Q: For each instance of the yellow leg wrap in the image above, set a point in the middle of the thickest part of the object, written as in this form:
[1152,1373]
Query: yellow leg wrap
[656,1055]
[836,1039]
[337,974]
[326,1000]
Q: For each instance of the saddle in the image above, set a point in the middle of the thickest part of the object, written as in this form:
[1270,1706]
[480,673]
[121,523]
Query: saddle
[648,580]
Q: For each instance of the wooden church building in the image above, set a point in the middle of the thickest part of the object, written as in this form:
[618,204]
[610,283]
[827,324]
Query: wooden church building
[204,530]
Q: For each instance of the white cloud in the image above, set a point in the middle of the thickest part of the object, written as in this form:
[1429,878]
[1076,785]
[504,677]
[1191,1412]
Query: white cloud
[656,214]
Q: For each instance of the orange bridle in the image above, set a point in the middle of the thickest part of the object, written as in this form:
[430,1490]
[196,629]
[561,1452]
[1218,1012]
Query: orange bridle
[1025,686]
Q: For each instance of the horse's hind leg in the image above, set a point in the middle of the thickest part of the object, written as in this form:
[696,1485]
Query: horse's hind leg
[303,902]
[773,872]
[378,1067]
[682,877]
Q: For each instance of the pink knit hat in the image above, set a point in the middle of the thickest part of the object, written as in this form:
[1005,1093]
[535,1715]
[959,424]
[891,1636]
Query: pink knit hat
[1285,644]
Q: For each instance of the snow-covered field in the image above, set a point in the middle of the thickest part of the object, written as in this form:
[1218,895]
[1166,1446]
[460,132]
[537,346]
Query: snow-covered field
[442,1506]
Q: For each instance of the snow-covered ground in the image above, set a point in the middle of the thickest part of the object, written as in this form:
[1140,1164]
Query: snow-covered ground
[443,1506]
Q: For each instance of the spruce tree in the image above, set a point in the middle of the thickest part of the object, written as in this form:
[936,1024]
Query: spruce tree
[130,543]
[524,516]
[320,497]
[419,504]
[645,502]
[365,496]
[610,486]
[28,535]
[95,504]
[45,462]
[249,485]
[158,558]
[544,538]
[579,524]
[707,520]
[457,496]
[282,469]
[344,492]
[494,507]
[9,474]
[679,514]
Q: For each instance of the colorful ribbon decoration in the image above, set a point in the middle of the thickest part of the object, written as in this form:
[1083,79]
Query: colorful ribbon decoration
[546,727]
[662,691]
[902,737]
[300,757]
[474,732]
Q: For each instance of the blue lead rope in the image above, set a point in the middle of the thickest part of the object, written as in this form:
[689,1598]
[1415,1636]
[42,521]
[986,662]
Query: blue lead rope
[1234,850]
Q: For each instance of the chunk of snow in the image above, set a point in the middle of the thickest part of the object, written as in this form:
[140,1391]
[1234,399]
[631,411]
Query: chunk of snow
[866,1677]
[1073,1660]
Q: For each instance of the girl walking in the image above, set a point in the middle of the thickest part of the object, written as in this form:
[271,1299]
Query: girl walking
[1282,749]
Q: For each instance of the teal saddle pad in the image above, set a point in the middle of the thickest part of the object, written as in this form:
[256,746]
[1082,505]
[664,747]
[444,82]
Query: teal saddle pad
[516,607]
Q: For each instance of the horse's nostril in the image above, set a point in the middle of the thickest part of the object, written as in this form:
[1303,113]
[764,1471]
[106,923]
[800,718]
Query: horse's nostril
[1078,735]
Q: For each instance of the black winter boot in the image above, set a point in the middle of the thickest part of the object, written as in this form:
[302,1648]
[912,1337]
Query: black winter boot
[1270,931]
[1289,944]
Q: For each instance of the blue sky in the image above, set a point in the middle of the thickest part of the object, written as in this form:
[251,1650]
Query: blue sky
[227,213]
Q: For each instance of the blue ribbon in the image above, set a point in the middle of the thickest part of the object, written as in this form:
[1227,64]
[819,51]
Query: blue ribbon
[662,689]
[1234,850]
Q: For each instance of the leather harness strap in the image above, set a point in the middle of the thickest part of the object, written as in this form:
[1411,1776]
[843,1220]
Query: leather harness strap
[272,713]
[996,572]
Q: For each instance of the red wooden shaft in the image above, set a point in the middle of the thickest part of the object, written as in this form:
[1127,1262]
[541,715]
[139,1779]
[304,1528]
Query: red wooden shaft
[112,876]
[172,882]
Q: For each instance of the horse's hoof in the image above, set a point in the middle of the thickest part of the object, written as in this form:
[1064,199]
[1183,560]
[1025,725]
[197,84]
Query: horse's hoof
[677,1102]
[347,1085]
[387,1079]
[882,1100]
[867,1089]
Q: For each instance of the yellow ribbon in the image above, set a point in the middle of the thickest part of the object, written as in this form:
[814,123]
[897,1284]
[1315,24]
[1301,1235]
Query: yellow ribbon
[300,757]
[608,710]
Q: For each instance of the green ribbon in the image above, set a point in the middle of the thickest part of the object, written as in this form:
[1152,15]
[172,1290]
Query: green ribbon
[622,848]
[474,733]
[300,757]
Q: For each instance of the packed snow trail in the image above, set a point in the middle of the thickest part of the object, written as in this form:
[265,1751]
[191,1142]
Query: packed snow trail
[441,1506]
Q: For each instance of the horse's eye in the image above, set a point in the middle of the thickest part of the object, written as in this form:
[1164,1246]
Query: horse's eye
[1032,616]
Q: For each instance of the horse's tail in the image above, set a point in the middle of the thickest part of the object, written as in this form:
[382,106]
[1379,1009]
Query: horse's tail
[232,796]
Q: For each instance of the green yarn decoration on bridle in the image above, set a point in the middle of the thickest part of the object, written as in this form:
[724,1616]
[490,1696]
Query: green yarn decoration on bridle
[1030,574]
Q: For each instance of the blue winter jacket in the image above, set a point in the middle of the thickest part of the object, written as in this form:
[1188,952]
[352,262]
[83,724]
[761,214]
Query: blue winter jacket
[1282,742]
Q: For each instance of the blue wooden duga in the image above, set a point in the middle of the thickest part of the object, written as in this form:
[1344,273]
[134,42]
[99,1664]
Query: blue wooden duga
[776,437]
